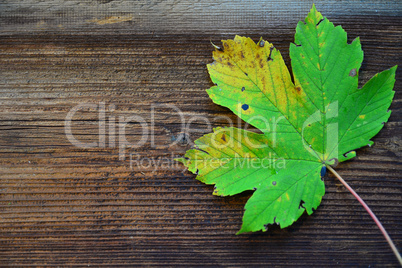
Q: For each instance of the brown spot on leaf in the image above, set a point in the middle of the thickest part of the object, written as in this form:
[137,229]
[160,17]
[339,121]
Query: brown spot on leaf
[298,89]
[353,72]
[261,64]
[229,64]
[223,137]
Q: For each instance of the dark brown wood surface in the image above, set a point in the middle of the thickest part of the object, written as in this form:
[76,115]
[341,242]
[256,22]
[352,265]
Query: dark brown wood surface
[61,205]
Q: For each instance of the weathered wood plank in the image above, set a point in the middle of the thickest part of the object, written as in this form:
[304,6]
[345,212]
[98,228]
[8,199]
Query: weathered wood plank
[161,17]
[62,205]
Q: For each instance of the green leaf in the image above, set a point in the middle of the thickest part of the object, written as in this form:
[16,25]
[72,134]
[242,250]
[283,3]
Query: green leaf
[315,121]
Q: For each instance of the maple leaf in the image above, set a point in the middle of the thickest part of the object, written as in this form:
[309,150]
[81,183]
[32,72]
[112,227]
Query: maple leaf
[307,125]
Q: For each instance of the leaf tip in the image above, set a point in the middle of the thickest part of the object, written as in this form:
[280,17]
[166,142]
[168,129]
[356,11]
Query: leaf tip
[314,17]
[245,229]
[185,161]
[181,159]
[313,7]
[239,232]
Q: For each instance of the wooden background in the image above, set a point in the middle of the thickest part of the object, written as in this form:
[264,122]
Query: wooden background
[61,205]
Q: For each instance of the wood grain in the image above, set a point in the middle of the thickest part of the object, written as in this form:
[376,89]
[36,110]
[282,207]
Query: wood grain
[65,206]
